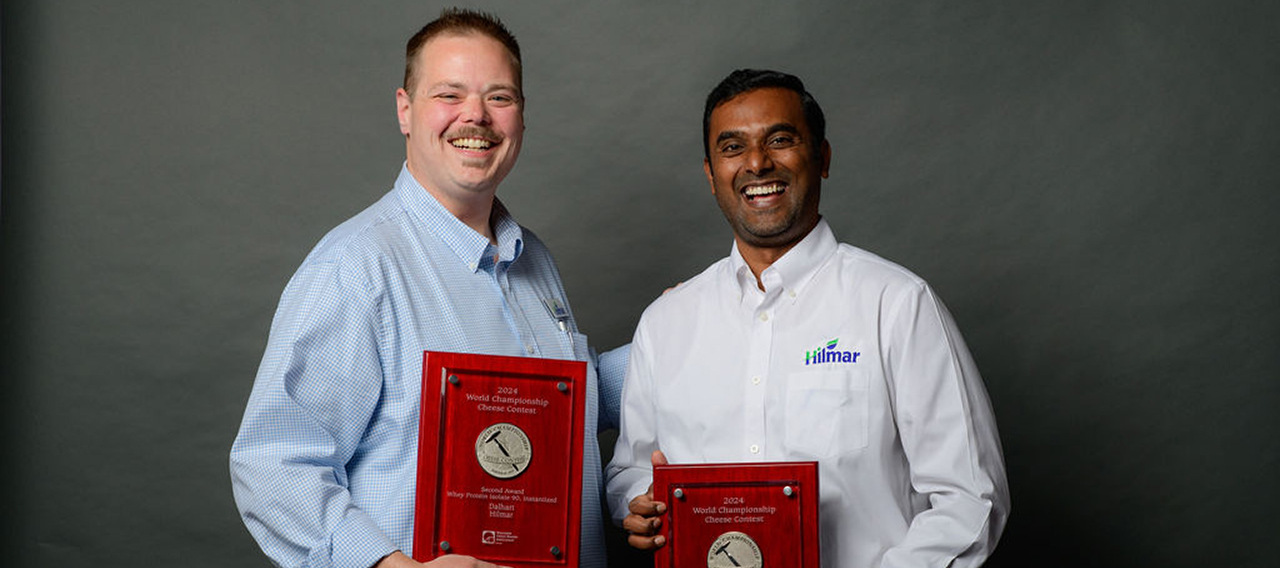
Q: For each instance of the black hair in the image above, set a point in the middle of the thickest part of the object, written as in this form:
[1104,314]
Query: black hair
[744,80]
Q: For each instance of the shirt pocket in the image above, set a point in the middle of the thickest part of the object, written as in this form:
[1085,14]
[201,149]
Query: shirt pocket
[826,412]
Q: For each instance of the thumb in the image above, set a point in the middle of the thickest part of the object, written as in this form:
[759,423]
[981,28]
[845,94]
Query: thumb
[658,458]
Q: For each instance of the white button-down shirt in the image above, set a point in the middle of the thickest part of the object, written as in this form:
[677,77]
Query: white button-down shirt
[844,358]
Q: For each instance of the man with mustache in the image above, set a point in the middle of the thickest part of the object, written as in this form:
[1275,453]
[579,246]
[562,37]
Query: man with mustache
[324,465]
[798,348]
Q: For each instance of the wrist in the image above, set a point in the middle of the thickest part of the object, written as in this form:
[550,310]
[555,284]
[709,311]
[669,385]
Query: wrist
[396,559]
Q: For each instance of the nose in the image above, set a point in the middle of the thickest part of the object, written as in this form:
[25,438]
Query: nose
[758,160]
[474,111]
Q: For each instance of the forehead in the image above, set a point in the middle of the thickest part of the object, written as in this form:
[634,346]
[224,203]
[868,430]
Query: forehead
[758,109]
[467,55]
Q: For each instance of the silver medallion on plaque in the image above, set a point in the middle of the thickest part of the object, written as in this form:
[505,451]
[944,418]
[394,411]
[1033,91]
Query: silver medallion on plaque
[503,450]
[734,550]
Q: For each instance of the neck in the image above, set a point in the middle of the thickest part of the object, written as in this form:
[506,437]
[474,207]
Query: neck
[474,215]
[760,258]
[473,209]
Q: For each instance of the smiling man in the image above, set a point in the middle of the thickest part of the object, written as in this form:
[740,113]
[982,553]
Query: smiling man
[797,348]
[324,465]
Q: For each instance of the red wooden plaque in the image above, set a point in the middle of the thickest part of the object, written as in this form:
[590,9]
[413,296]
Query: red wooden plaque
[500,459]
[740,515]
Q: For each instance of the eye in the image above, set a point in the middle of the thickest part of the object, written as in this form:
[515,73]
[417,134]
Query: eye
[448,97]
[502,100]
[782,141]
[730,148]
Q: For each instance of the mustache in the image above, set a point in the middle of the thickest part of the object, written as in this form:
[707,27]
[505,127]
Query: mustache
[475,132]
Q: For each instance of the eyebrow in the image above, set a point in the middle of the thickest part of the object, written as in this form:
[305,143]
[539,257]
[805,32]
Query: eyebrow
[488,88]
[772,129]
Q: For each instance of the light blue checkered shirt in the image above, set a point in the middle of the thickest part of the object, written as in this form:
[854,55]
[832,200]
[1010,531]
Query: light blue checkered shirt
[323,468]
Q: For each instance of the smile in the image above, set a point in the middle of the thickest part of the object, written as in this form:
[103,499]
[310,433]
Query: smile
[471,143]
[754,191]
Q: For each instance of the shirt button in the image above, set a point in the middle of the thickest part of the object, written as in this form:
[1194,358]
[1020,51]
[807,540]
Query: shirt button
[791,293]
[529,349]
[764,316]
[755,380]
[755,449]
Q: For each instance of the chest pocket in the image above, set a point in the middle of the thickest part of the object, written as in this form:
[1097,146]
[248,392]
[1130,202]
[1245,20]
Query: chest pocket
[826,412]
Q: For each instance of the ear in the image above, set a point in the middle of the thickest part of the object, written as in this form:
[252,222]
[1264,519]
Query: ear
[826,158]
[403,104]
[706,168]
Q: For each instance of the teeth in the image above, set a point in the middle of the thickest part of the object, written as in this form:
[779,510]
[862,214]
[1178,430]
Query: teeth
[471,143]
[758,190]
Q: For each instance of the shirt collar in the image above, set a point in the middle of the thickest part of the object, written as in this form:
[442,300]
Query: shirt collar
[791,272]
[470,246]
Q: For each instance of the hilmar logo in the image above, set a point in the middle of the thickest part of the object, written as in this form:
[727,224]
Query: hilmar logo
[828,354]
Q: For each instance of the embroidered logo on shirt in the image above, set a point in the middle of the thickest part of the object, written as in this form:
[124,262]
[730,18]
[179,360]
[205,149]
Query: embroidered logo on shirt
[828,354]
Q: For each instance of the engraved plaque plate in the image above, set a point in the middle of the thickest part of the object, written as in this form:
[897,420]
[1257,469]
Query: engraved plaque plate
[747,515]
[500,459]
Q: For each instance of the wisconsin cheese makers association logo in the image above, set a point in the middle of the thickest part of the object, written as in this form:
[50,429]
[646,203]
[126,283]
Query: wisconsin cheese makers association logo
[503,450]
[734,550]
[829,354]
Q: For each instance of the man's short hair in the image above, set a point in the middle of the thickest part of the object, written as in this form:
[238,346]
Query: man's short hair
[458,21]
[744,80]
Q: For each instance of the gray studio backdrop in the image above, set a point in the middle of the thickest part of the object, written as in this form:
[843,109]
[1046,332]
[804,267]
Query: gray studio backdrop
[1089,185]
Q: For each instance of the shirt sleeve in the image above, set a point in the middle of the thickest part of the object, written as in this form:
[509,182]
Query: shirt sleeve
[949,436]
[630,472]
[611,368]
[316,390]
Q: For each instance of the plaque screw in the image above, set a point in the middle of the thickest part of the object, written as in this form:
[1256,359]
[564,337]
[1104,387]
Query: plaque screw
[444,545]
[788,491]
[679,493]
[453,379]
[555,551]
[560,386]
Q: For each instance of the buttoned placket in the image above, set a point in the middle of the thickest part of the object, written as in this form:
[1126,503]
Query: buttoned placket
[760,307]
[517,319]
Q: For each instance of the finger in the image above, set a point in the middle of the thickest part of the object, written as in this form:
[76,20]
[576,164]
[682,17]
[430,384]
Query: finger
[645,506]
[658,458]
[646,543]
[645,526]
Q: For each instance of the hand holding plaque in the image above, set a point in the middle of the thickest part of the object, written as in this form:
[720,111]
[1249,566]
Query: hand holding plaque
[746,515]
[645,518]
[500,459]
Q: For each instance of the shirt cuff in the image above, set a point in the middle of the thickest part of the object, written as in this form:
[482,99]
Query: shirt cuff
[358,543]
[625,486]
